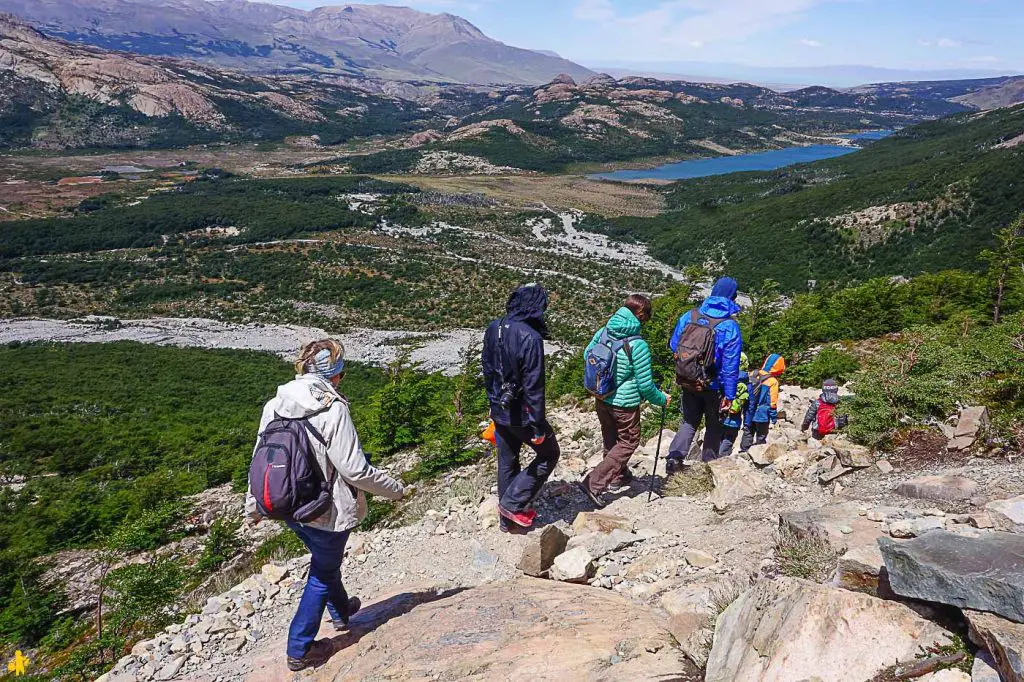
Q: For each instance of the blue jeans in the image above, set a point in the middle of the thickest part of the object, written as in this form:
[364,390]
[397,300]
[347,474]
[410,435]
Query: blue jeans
[323,587]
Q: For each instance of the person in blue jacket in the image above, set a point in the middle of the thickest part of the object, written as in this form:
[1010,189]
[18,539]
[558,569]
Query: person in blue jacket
[513,368]
[708,405]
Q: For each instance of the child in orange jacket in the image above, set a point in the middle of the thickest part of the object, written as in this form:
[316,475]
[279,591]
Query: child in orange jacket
[763,408]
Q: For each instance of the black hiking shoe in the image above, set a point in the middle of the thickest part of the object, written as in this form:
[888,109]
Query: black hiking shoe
[354,605]
[673,465]
[317,655]
[512,529]
[596,499]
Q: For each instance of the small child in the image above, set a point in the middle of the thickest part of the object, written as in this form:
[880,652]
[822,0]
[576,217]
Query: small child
[822,412]
[762,411]
[732,419]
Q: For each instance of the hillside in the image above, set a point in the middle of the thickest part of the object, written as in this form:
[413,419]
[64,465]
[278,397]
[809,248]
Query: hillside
[951,90]
[604,119]
[928,198]
[1005,94]
[376,41]
[64,95]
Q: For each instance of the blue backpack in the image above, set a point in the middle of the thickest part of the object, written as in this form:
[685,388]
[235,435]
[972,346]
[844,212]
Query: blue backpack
[599,364]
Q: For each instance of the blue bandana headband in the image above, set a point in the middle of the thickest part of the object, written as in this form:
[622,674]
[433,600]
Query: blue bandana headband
[322,366]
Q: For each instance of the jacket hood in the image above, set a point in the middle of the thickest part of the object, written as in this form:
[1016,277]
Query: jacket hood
[527,304]
[305,396]
[622,324]
[775,365]
[719,307]
[725,287]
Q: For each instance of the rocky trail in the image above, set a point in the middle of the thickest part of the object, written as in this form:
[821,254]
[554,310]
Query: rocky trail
[806,561]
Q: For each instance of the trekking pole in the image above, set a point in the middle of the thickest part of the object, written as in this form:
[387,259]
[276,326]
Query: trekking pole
[657,454]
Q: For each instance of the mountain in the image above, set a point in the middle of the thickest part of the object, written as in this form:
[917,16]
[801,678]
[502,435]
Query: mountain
[837,76]
[604,119]
[62,95]
[395,43]
[995,96]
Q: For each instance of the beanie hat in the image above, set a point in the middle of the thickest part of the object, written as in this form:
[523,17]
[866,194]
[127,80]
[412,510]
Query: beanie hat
[830,391]
[725,287]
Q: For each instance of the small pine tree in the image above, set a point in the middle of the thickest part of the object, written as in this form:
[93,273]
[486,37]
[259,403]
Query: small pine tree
[1005,263]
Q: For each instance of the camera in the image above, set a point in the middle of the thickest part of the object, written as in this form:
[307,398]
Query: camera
[509,391]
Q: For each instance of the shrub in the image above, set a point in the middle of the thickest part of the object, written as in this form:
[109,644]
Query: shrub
[693,480]
[829,363]
[810,557]
[220,545]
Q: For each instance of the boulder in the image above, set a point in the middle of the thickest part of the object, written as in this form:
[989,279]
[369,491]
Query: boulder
[573,566]
[541,549]
[983,573]
[274,573]
[832,468]
[938,488]
[600,544]
[855,457]
[735,479]
[973,421]
[884,466]
[691,610]
[1004,641]
[600,522]
[947,675]
[790,630]
[526,629]
[912,528]
[763,455]
[699,559]
[853,536]
[1007,514]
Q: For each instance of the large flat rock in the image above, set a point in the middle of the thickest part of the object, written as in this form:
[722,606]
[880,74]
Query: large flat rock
[735,479]
[984,573]
[526,629]
[1003,639]
[791,630]
[939,488]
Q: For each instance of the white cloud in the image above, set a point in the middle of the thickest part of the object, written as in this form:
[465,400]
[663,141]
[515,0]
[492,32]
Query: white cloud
[692,23]
[948,42]
[806,42]
[985,59]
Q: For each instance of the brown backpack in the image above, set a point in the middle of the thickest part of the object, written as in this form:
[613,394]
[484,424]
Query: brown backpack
[695,354]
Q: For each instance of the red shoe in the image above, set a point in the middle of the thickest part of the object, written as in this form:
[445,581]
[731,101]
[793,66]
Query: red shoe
[523,518]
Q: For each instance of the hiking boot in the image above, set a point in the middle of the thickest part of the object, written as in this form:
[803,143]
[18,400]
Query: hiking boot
[596,499]
[354,604]
[673,465]
[316,656]
[521,518]
[618,488]
[511,528]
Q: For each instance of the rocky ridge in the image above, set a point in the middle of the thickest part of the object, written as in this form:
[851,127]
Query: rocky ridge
[726,572]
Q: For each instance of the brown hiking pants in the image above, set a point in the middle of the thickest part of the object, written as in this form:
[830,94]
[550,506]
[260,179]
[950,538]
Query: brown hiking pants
[620,429]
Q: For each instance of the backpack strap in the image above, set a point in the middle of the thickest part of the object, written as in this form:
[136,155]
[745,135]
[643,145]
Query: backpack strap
[696,316]
[320,439]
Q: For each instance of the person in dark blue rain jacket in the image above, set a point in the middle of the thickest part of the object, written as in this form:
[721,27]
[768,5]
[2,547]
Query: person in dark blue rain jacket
[513,368]
[708,405]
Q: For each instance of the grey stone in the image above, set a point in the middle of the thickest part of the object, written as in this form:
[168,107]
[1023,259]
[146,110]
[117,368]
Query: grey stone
[831,468]
[541,549]
[1004,641]
[600,544]
[274,573]
[699,559]
[960,443]
[912,528]
[984,668]
[938,488]
[171,668]
[984,573]
[855,458]
[1007,514]
[884,466]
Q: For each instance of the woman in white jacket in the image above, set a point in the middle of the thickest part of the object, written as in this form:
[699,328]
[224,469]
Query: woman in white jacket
[313,396]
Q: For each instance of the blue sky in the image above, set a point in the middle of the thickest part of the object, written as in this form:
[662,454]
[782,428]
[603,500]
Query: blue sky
[904,34]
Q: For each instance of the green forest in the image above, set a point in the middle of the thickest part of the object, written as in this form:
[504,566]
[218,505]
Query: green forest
[112,437]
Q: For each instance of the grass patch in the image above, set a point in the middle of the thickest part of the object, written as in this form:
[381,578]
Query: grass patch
[693,480]
[810,557]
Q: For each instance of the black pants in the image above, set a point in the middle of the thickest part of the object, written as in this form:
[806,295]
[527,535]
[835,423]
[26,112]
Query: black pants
[696,407]
[756,433]
[518,486]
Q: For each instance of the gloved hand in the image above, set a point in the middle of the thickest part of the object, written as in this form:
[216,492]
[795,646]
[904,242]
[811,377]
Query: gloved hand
[668,399]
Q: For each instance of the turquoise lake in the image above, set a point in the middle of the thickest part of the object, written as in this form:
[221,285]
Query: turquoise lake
[761,161]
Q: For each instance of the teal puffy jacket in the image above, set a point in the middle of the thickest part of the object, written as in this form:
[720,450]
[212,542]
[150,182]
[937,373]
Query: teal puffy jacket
[634,380]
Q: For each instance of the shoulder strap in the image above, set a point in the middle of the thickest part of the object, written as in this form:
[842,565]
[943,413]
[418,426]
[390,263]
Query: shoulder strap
[503,359]
[327,457]
[694,316]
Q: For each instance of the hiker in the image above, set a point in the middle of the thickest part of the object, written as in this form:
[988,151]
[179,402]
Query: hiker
[310,471]
[706,344]
[733,419]
[763,408]
[513,367]
[821,414]
[618,373]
